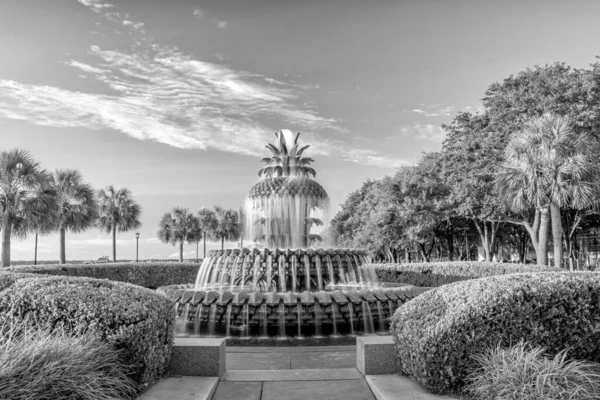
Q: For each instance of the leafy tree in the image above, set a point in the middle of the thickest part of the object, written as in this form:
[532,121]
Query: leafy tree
[548,166]
[207,222]
[471,155]
[179,226]
[118,212]
[226,225]
[26,197]
[77,207]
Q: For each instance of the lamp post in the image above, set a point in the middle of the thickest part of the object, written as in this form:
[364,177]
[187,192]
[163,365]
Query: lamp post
[137,246]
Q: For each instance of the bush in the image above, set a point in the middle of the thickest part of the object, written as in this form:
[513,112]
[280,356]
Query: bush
[438,333]
[7,278]
[46,363]
[524,373]
[149,275]
[441,273]
[136,320]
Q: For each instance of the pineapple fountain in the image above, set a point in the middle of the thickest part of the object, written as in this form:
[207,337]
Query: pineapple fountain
[284,287]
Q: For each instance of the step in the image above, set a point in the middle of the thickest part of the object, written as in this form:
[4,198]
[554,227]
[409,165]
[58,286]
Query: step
[394,387]
[287,349]
[266,375]
[182,388]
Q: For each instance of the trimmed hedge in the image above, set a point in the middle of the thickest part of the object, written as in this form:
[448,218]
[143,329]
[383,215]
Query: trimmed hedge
[438,334]
[436,274]
[136,320]
[8,278]
[149,275]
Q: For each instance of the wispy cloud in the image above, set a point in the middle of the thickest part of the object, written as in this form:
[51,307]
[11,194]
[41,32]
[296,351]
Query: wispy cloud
[198,13]
[159,93]
[222,24]
[429,132]
[95,5]
[433,110]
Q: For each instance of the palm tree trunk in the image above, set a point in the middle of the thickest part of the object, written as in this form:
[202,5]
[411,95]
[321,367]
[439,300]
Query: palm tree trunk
[557,234]
[114,240]
[222,242]
[6,233]
[204,245]
[181,251]
[62,256]
[542,254]
[35,251]
[197,246]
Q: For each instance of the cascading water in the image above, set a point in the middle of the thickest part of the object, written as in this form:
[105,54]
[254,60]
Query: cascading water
[284,287]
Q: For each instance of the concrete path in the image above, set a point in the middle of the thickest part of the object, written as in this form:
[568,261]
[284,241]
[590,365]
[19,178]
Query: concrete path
[303,373]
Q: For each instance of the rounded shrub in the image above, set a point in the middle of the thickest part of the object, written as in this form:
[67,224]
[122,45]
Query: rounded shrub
[438,334]
[135,320]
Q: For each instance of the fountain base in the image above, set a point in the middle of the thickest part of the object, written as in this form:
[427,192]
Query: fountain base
[244,314]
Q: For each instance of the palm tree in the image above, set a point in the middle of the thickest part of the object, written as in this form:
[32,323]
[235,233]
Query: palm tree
[77,207]
[550,166]
[117,212]
[26,197]
[207,222]
[41,219]
[226,225]
[179,226]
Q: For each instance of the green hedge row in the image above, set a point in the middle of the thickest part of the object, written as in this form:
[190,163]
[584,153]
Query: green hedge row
[436,274]
[149,275]
[438,334]
[136,320]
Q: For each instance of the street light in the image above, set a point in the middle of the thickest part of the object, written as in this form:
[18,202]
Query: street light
[137,246]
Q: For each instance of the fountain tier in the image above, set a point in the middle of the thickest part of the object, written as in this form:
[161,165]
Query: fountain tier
[282,270]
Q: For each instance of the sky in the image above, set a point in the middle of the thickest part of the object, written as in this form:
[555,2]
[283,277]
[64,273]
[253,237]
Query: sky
[176,99]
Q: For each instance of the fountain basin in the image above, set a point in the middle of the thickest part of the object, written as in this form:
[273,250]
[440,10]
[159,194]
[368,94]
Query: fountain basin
[245,313]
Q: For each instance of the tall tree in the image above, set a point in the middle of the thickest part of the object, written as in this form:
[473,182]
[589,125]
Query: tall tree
[471,156]
[118,212]
[25,196]
[226,225]
[548,166]
[77,206]
[207,224]
[179,226]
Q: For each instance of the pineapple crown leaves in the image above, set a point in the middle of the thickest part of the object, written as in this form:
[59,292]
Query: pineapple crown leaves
[286,161]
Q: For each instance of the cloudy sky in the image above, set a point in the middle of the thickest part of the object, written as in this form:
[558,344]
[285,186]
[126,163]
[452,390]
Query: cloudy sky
[176,99]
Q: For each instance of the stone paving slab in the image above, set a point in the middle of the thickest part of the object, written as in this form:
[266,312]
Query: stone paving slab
[338,390]
[397,387]
[337,359]
[238,391]
[247,361]
[292,375]
[297,349]
[182,388]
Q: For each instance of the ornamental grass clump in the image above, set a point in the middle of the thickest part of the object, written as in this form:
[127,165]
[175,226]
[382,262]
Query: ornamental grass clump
[48,363]
[438,333]
[523,372]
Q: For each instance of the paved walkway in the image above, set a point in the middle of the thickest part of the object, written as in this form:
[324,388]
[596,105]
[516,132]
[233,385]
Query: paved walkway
[302,373]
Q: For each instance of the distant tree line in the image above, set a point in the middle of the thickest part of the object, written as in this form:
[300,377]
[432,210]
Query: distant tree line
[521,174]
[36,201]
